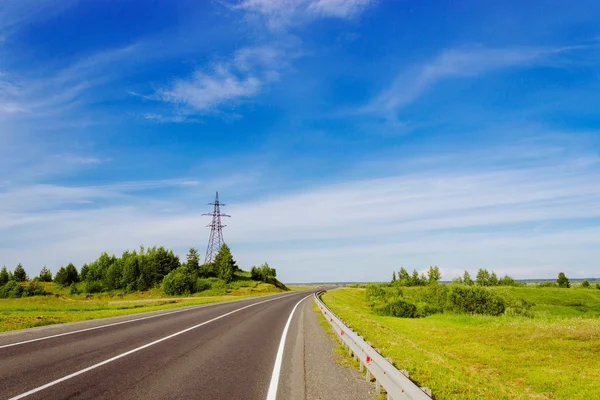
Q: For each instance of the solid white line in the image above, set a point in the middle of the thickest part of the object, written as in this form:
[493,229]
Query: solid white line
[40,388]
[272,394]
[189,308]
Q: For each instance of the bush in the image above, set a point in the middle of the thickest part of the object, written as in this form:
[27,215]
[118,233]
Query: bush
[12,290]
[585,284]
[474,300]
[263,273]
[598,286]
[74,289]
[424,309]
[34,288]
[178,282]
[547,284]
[202,284]
[518,307]
[93,287]
[398,308]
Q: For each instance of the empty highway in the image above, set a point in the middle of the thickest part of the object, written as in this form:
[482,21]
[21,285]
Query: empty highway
[219,351]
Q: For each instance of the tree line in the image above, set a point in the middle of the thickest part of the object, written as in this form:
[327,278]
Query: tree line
[137,271]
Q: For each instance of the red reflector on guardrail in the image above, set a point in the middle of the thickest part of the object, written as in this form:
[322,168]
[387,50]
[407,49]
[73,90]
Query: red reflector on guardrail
[342,332]
[368,359]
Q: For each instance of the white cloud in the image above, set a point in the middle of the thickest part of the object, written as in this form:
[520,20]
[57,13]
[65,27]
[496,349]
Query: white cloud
[227,83]
[410,84]
[338,8]
[279,15]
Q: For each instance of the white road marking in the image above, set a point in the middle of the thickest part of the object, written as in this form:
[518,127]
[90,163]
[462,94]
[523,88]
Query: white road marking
[272,394]
[40,388]
[189,308]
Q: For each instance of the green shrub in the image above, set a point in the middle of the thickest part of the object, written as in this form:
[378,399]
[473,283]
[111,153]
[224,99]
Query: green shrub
[436,295]
[398,308]
[516,306]
[93,287]
[547,284]
[374,292]
[73,289]
[12,290]
[598,286]
[202,284]
[474,300]
[178,282]
[425,309]
[34,288]
[585,284]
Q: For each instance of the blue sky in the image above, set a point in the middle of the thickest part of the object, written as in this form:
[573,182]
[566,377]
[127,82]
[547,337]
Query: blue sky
[348,137]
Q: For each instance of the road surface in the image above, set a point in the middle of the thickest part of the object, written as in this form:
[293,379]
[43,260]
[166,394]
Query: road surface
[228,350]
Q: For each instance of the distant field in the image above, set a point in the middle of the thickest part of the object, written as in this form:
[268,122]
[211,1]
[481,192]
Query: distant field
[61,307]
[554,355]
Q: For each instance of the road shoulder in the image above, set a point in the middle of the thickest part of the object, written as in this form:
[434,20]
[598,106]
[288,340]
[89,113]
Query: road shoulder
[313,369]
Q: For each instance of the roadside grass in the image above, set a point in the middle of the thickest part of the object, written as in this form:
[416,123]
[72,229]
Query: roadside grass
[61,307]
[553,355]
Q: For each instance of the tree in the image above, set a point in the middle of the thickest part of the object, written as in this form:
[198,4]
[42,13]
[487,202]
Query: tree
[483,277]
[493,279]
[507,281]
[403,276]
[67,275]
[434,274]
[585,284]
[20,275]
[45,274]
[4,278]
[193,260]
[84,271]
[458,280]
[467,279]
[224,264]
[393,276]
[563,281]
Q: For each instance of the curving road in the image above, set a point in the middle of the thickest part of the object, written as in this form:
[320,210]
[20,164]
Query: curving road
[215,351]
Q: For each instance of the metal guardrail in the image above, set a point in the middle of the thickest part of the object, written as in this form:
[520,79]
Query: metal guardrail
[396,383]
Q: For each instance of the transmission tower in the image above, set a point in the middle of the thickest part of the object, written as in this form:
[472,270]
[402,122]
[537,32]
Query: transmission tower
[215,241]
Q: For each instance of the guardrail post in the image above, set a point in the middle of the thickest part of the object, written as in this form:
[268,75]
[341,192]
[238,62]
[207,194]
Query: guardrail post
[368,375]
[361,366]
[377,387]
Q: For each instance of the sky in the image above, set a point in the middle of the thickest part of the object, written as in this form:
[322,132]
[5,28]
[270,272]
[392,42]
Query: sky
[347,138]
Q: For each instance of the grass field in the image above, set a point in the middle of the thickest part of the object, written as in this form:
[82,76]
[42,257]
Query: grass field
[62,307]
[554,355]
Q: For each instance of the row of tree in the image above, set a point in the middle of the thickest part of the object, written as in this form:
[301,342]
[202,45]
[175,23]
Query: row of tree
[483,278]
[404,279]
[136,270]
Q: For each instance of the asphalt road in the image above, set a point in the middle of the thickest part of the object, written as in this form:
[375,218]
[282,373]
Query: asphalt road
[216,351]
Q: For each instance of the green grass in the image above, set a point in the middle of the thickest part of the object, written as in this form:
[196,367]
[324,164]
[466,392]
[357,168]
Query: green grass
[554,355]
[60,307]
